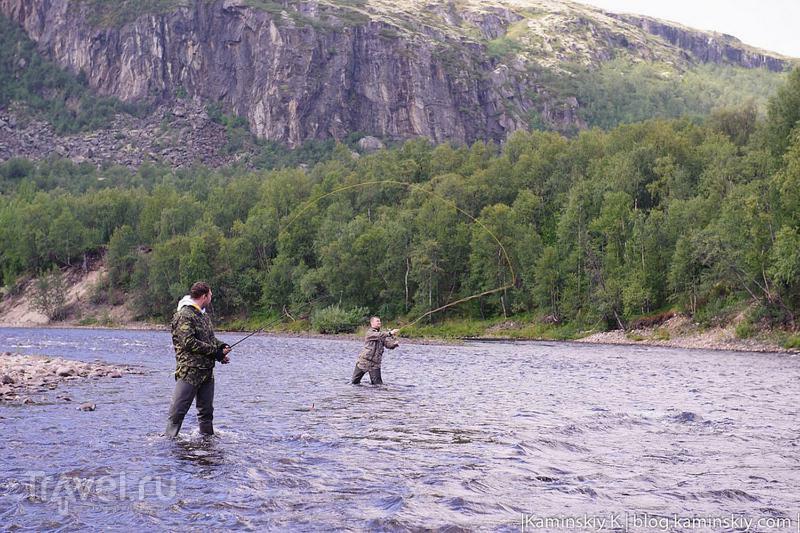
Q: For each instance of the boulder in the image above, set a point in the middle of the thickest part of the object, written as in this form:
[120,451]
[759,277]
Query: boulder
[370,144]
[65,371]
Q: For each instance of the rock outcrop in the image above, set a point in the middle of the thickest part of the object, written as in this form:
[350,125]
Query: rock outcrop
[292,81]
[707,47]
[314,69]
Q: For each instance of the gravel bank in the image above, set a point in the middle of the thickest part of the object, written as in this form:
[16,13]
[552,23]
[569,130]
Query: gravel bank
[24,378]
[680,332]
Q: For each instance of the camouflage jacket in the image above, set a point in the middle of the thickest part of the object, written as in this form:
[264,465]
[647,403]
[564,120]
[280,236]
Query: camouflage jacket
[196,347]
[372,353]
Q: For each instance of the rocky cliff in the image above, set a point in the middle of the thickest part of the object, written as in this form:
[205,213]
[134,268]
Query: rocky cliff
[459,70]
[707,47]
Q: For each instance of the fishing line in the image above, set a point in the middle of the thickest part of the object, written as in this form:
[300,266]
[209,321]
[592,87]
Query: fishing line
[279,319]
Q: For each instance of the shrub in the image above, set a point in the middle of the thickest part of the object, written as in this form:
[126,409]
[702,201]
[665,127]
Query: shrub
[661,334]
[49,295]
[745,330]
[100,291]
[792,343]
[88,321]
[335,319]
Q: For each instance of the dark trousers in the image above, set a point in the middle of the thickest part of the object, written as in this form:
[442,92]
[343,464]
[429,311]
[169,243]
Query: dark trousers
[182,399]
[374,376]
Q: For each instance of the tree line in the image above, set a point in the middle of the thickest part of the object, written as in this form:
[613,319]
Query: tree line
[701,215]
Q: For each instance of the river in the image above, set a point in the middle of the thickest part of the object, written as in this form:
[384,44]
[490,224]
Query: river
[480,436]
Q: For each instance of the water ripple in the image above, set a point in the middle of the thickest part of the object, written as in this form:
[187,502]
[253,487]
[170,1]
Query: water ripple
[461,438]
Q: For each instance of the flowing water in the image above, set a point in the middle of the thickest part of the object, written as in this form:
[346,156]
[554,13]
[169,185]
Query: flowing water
[476,436]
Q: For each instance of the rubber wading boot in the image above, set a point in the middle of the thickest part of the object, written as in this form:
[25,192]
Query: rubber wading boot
[172,428]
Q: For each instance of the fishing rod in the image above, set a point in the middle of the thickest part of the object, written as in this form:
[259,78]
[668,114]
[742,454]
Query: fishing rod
[273,322]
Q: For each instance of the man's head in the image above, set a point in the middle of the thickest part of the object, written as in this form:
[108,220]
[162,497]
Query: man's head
[201,293]
[375,322]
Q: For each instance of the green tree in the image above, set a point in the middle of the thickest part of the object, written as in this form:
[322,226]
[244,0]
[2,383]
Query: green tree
[492,260]
[783,113]
[549,283]
[50,294]
[121,256]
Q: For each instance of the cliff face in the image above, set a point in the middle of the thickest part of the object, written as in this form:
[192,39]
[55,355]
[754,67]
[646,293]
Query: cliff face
[705,47]
[313,69]
[292,82]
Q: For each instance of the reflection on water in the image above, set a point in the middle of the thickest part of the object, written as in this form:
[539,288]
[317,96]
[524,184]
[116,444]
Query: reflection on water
[202,451]
[471,437]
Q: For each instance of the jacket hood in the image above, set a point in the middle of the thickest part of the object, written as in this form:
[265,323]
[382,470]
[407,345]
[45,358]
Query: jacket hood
[187,300]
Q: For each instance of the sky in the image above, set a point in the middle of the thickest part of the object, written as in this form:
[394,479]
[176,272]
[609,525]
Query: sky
[768,24]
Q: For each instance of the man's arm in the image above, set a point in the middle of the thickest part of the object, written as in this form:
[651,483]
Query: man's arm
[222,349]
[375,336]
[186,334]
[390,341]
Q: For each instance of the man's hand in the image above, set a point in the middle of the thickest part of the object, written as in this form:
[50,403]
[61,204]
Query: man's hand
[394,332]
[225,351]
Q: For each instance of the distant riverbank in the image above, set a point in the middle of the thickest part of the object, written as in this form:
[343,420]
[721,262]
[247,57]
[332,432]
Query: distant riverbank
[676,332]
[668,329]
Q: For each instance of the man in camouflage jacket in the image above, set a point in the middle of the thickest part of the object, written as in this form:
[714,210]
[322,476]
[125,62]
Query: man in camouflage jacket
[196,351]
[369,360]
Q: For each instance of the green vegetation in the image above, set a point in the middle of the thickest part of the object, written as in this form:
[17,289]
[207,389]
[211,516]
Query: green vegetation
[113,13]
[502,47]
[661,334]
[792,342]
[49,295]
[48,91]
[622,92]
[104,321]
[343,12]
[452,329]
[335,319]
[526,327]
[607,227]
[116,13]
[745,330]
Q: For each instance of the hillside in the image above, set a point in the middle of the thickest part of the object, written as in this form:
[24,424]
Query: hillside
[451,71]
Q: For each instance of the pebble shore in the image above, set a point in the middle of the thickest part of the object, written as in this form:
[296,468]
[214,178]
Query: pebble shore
[680,332]
[23,377]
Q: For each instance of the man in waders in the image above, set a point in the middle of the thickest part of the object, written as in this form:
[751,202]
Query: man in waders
[369,360]
[196,351]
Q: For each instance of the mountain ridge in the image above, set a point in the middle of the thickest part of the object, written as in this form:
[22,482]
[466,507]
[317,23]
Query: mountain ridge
[455,71]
